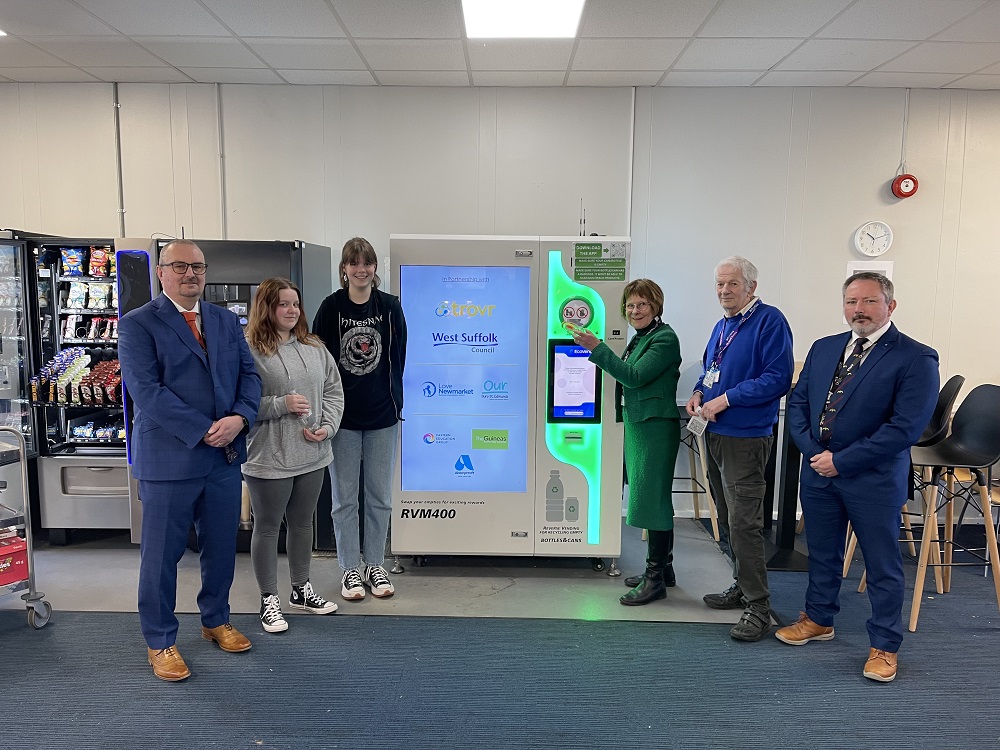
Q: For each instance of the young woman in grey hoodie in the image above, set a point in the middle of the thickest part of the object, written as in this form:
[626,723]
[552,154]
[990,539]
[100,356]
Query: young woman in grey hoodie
[301,406]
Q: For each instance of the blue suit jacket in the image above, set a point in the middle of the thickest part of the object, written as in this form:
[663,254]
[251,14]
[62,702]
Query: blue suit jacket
[885,408]
[179,390]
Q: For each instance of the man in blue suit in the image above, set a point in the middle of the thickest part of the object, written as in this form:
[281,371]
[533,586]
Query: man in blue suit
[862,400]
[191,377]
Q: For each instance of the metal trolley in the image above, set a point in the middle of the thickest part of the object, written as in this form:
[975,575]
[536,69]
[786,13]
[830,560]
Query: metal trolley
[17,514]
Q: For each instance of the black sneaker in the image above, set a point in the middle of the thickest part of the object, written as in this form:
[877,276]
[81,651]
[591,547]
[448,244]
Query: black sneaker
[753,626]
[378,581]
[303,597]
[270,614]
[731,598]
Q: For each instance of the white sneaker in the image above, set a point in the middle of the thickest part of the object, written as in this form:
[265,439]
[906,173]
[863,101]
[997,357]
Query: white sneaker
[378,580]
[270,614]
[351,587]
[303,597]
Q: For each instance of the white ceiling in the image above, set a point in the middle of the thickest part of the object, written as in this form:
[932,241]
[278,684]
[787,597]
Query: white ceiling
[895,43]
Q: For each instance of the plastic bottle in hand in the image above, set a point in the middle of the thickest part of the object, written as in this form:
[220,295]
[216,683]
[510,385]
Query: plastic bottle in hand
[308,420]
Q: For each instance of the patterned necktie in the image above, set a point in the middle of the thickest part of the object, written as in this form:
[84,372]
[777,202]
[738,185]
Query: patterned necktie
[848,369]
[190,316]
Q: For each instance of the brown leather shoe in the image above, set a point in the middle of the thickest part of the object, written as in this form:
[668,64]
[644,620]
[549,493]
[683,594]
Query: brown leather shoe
[803,631]
[228,638]
[881,665]
[168,665]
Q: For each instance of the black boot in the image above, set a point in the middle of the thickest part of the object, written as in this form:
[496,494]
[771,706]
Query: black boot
[659,555]
[669,579]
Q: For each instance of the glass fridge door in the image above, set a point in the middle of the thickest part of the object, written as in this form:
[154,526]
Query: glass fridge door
[15,403]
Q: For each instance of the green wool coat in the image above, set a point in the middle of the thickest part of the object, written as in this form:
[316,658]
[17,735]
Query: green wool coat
[646,401]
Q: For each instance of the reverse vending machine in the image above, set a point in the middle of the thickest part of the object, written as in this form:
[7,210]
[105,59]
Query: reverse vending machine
[509,443]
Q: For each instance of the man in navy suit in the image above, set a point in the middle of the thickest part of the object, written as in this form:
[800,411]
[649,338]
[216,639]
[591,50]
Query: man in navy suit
[191,377]
[862,400]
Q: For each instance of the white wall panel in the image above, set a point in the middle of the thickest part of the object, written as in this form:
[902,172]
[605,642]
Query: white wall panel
[13,157]
[556,146]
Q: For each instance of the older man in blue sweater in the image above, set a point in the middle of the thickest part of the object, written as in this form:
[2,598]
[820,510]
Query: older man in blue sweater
[746,369]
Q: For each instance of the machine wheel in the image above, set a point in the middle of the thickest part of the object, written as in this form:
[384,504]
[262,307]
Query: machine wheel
[39,614]
[597,563]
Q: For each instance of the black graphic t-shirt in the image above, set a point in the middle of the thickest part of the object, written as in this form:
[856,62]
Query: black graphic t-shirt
[364,368]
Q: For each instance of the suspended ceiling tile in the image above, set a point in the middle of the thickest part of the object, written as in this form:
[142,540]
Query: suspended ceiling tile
[734,54]
[290,18]
[710,78]
[614,77]
[519,54]
[231,75]
[879,79]
[156,17]
[400,19]
[202,52]
[92,52]
[139,75]
[842,54]
[981,26]
[49,18]
[413,54]
[422,78]
[982,82]
[643,18]
[46,75]
[753,18]
[307,54]
[807,78]
[18,54]
[946,57]
[329,77]
[898,19]
[626,54]
[518,77]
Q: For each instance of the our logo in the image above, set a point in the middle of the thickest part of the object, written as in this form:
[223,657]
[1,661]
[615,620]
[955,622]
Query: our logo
[429,437]
[490,440]
[464,310]
[495,390]
[428,389]
[464,463]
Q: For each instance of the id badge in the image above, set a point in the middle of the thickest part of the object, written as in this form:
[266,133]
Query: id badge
[711,378]
[696,425]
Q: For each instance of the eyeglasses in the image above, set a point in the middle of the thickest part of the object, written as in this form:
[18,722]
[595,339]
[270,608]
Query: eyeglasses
[637,306]
[180,266]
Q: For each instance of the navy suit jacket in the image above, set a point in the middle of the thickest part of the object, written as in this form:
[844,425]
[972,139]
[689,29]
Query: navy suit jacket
[179,390]
[885,408]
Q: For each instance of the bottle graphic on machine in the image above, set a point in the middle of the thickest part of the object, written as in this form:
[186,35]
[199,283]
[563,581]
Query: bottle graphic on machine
[554,497]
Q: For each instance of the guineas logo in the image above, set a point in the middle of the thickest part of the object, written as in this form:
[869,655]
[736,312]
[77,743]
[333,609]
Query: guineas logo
[464,310]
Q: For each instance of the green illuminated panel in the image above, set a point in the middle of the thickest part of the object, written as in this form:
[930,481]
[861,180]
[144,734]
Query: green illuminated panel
[584,451]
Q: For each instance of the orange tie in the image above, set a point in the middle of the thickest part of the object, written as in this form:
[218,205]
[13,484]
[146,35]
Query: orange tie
[190,316]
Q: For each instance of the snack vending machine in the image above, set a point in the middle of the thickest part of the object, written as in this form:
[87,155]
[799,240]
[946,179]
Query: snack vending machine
[15,339]
[75,381]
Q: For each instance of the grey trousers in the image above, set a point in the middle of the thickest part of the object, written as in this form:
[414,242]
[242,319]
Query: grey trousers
[293,499]
[736,479]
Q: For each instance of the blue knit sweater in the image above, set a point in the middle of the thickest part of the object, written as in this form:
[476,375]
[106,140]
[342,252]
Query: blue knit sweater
[756,371]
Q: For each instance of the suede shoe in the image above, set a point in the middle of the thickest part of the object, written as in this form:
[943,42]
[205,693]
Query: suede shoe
[803,631]
[731,598]
[754,625]
[669,579]
[167,664]
[228,638]
[881,666]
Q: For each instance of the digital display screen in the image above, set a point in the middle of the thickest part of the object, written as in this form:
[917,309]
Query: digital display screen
[574,384]
[465,386]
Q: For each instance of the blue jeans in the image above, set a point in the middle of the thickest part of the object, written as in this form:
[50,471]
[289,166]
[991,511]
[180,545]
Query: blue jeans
[378,447]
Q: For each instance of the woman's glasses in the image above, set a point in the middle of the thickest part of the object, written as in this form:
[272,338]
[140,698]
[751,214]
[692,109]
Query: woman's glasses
[636,306]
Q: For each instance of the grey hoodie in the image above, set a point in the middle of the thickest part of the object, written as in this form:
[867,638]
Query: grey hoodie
[277,449]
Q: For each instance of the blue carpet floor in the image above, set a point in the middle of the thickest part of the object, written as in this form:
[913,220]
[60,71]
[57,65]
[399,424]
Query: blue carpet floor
[409,683]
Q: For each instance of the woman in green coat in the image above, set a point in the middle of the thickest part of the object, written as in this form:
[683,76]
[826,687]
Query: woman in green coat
[646,401]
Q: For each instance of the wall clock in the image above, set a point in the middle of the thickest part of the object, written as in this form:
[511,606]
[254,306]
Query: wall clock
[873,239]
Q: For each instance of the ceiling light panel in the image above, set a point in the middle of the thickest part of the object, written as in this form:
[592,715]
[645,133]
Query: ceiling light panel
[522,19]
